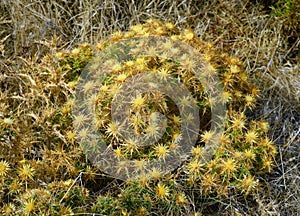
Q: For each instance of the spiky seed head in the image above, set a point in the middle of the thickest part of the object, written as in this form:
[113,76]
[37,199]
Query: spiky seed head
[155,173]
[26,172]
[250,100]
[188,34]
[138,102]
[207,136]
[251,137]
[170,25]
[4,167]
[113,129]
[248,184]
[197,151]
[181,199]
[249,154]
[122,77]
[29,206]
[229,166]
[162,191]
[161,151]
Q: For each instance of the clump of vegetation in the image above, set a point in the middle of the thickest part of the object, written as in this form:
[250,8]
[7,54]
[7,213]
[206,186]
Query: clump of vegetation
[289,11]
[45,171]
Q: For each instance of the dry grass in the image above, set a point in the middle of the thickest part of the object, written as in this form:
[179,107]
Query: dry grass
[241,28]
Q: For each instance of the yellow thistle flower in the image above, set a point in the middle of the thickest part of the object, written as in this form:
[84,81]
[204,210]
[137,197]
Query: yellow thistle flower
[251,137]
[190,117]
[72,84]
[197,151]
[250,100]
[208,182]
[100,46]
[88,86]
[65,110]
[143,179]
[193,166]
[228,166]
[117,36]
[4,167]
[238,155]
[189,35]
[207,136]
[26,172]
[83,134]
[130,145]
[29,206]
[167,46]
[173,146]
[248,184]
[67,183]
[187,63]
[238,94]
[162,191]
[137,122]
[152,130]
[113,129]
[118,152]
[208,56]
[239,122]
[185,101]
[159,31]
[161,151]
[235,61]
[84,45]
[181,199]
[264,126]
[255,91]
[15,186]
[164,73]
[104,88]
[121,77]
[268,163]
[228,79]
[176,120]
[9,209]
[249,154]
[136,28]
[138,102]
[169,25]
[225,140]
[265,142]
[226,96]
[75,51]
[243,76]
[141,211]
[79,120]
[155,173]
[116,67]
[175,37]
[210,44]
[129,63]
[234,69]
[71,136]
[141,61]
[59,55]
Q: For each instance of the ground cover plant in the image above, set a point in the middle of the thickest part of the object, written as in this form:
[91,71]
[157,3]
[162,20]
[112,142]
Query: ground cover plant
[253,48]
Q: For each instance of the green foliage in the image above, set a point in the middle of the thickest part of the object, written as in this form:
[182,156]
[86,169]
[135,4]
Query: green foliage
[288,10]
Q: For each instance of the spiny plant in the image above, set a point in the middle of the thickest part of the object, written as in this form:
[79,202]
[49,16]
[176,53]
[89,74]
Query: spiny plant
[245,149]
[42,163]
